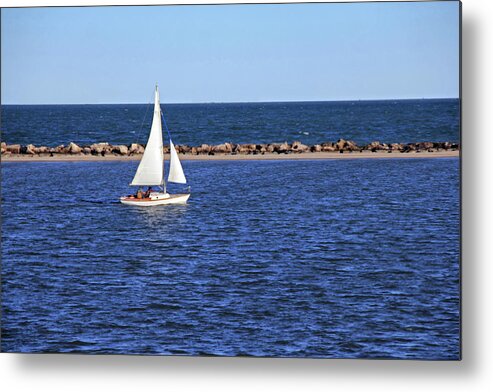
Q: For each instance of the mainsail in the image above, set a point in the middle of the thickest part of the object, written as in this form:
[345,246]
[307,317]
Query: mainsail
[175,170]
[150,170]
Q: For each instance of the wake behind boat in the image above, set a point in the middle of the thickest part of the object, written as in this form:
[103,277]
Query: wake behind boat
[150,172]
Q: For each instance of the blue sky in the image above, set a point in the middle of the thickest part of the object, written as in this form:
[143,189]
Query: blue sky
[230,53]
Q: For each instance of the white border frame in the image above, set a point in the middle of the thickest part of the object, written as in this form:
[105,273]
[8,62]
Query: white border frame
[133,373]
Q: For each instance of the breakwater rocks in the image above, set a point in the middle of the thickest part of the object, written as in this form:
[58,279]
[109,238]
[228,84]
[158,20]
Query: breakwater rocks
[341,146]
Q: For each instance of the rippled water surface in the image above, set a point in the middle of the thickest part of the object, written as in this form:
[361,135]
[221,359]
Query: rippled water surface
[343,258]
[397,121]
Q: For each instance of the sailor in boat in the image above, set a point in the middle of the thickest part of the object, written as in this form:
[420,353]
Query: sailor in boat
[142,195]
[147,194]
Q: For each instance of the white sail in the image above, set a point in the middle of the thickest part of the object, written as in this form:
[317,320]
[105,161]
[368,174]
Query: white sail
[175,170]
[151,167]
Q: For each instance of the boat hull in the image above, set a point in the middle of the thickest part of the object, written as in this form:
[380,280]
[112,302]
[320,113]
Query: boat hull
[162,199]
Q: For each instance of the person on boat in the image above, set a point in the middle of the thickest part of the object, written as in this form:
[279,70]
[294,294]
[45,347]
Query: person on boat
[139,194]
[148,192]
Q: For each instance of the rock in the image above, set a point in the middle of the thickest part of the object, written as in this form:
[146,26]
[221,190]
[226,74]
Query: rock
[136,149]
[120,150]
[246,148]
[374,146]
[29,149]
[271,147]
[328,147]
[99,148]
[241,149]
[14,148]
[262,148]
[424,145]
[228,147]
[350,146]
[204,149]
[299,147]
[224,148]
[42,150]
[340,144]
[283,148]
[377,146]
[250,147]
[184,149]
[73,148]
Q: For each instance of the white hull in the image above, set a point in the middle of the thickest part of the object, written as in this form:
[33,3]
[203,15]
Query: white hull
[156,199]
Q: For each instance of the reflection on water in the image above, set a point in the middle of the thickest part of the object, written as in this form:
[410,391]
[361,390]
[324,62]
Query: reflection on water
[157,216]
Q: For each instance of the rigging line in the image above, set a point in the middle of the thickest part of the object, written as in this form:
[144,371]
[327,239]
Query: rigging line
[165,124]
[141,125]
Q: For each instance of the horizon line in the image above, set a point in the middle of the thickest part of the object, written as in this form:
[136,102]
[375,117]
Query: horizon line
[233,102]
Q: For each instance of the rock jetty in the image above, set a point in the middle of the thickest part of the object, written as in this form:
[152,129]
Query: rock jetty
[340,146]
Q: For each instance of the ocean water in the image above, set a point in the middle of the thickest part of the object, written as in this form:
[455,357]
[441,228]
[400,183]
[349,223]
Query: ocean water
[396,121]
[332,259]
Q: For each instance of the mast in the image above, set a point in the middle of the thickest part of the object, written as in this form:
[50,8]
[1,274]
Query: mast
[161,117]
[169,137]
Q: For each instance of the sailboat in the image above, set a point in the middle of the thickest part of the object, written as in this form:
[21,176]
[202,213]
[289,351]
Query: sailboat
[151,168]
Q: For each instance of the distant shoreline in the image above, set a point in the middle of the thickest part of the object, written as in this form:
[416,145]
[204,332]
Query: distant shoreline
[238,157]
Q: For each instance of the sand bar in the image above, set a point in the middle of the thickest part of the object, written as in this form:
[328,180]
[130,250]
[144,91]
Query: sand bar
[237,157]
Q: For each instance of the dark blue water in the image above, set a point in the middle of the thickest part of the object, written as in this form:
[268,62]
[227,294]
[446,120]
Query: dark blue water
[337,259]
[398,121]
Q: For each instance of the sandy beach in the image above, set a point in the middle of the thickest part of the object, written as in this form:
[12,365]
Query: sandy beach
[237,157]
